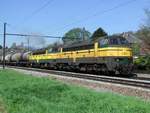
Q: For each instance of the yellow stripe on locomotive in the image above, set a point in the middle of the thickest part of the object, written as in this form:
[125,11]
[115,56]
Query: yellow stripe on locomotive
[96,52]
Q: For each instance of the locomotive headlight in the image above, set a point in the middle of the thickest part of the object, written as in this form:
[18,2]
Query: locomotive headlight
[122,60]
[117,59]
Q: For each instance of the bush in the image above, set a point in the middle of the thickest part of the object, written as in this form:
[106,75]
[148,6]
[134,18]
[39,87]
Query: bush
[142,62]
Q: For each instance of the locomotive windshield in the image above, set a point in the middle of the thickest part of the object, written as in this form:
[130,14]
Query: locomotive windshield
[123,41]
[113,41]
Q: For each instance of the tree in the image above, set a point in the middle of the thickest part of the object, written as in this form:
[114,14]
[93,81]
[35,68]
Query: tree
[1,46]
[144,32]
[14,46]
[98,33]
[136,48]
[76,34]
[147,21]
[54,47]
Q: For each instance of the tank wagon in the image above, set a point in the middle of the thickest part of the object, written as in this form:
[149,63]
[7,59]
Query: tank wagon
[20,59]
[16,57]
[24,59]
[7,58]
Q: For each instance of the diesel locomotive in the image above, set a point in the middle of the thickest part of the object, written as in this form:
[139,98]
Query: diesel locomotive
[111,55]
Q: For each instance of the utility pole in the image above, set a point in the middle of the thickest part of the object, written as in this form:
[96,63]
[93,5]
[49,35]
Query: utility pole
[4,45]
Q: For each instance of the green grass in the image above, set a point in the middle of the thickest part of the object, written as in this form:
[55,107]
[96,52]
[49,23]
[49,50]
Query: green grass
[27,94]
[2,107]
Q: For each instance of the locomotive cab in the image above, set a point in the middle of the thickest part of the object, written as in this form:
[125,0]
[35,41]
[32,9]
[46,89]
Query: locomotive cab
[118,53]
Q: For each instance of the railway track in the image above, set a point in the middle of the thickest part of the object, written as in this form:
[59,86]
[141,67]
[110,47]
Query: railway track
[136,82]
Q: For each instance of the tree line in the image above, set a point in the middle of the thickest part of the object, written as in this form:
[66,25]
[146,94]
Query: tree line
[81,34]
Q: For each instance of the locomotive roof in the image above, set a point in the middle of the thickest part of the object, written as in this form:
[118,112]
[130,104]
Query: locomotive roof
[79,43]
[39,51]
[89,42]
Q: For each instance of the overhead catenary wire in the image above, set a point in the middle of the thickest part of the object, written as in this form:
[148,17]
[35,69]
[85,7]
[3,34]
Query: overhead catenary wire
[32,14]
[82,20]
[28,35]
[37,11]
[37,36]
[98,14]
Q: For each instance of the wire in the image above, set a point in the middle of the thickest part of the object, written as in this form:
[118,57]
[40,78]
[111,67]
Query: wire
[37,36]
[17,34]
[98,13]
[31,15]
[37,11]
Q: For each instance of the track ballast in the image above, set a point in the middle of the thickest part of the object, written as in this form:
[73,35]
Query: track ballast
[117,80]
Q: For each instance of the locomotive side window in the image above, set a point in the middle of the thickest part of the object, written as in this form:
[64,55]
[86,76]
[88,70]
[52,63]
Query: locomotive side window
[103,43]
[114,41]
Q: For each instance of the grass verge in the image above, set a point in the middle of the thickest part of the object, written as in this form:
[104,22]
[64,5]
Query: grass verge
[28,94]
[2,107]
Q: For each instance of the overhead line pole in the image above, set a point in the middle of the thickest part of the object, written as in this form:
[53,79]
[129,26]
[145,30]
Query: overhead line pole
[4,41]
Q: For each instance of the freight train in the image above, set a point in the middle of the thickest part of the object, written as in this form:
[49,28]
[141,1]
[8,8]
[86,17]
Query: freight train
[109,55]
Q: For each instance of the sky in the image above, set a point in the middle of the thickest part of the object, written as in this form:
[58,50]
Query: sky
[56,17]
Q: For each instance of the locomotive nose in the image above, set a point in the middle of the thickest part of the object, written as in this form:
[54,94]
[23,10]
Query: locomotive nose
[124,65]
